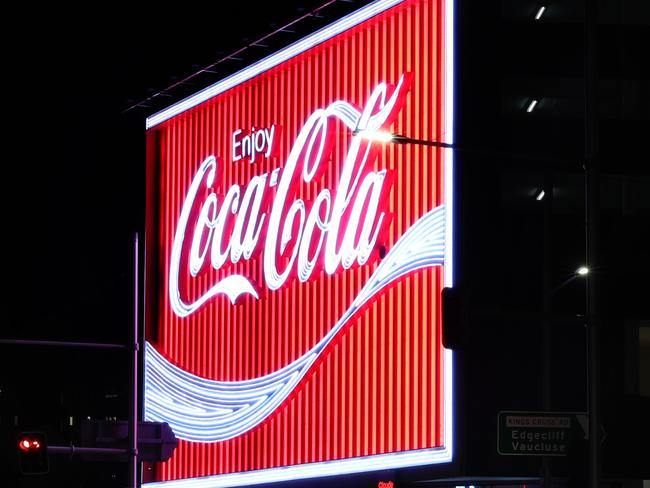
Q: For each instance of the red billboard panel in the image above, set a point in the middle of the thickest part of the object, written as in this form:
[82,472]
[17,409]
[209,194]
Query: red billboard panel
[297,247]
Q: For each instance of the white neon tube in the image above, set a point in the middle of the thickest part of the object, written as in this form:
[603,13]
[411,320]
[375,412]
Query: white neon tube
[273,60]
[202,410]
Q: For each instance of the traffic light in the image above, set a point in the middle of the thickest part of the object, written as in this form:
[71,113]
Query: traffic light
[32,453]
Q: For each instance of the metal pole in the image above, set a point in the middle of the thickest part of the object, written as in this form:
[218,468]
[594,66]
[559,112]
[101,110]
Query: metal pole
[133,407]
[592,231]
[89,345]
[72,450]
[547,332]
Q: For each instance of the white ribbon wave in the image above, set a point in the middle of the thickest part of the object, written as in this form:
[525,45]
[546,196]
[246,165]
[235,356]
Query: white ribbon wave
[203,410]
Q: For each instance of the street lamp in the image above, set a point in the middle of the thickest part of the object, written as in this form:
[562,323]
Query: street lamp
[581,272]
[385,136]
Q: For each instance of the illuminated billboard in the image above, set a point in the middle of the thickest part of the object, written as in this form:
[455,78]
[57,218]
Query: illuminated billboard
[296,253]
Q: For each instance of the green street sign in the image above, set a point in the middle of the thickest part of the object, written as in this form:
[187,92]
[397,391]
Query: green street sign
[539,433]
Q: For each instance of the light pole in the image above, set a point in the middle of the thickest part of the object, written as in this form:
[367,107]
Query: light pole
[592,170]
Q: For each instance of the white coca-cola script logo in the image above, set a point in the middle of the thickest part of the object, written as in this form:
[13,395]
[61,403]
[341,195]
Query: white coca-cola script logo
[338,229]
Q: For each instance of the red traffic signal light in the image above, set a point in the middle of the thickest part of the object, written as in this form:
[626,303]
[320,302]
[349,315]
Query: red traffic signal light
[32,453]
[27,444]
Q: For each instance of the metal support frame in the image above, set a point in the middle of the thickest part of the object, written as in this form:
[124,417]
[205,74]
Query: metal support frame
[71,450]
[85,345]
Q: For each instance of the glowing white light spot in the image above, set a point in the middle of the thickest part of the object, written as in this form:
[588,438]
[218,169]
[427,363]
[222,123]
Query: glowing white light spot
[375,135]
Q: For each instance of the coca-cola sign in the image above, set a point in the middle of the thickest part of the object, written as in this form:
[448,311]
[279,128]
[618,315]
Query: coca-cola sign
[338,229]
[294,265]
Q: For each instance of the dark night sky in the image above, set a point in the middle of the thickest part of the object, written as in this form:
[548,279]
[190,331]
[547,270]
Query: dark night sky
[74,190]
[73,186]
